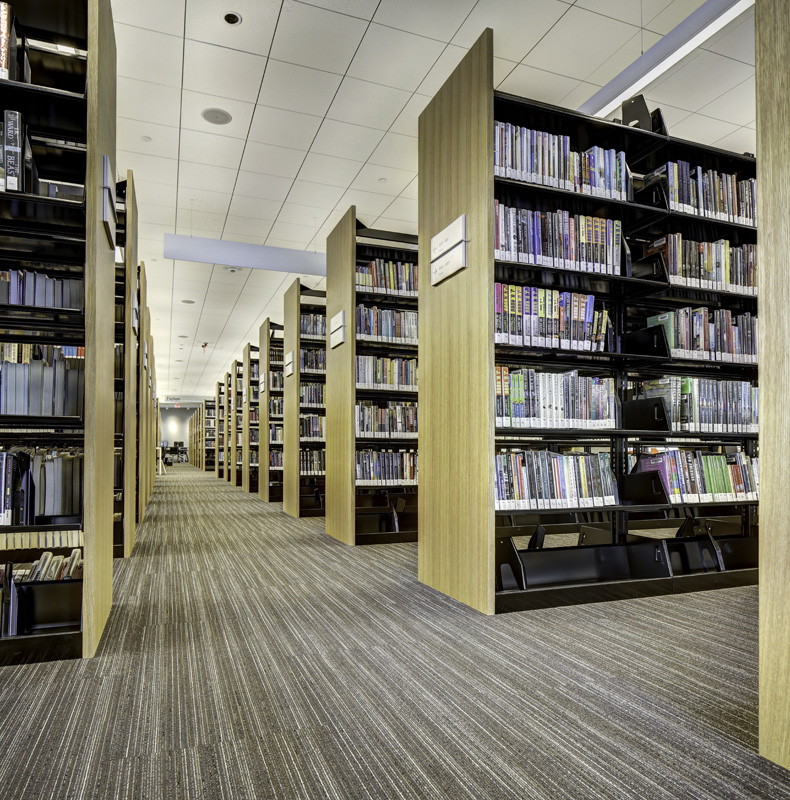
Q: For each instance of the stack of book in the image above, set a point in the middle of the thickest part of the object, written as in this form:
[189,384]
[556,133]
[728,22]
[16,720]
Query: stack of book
[312,462]
[275,433]
[387,277]
[395,420]
[386,468]
[43,389]
[386,325]
[20,287]
[392,374]
[312,361]
[312,394]
[312,326]
[312,428]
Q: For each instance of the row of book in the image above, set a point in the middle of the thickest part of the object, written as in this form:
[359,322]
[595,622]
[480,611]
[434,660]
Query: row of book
[118,362]
[718,265]
[395,420]
[34,485]
[312,462]
[253,457]
[47,568]
[387,277]
[254,369]
[254,414]
[698,477]
[702,334]
[276,406]
[277,380]
[707,193]
[547,159]
[38,540]
[386,325]
[275,459]
[391,374]
[538,479]
[386,468]
[24,353]
[275,433]
[312,325]
[530,317]
[14,49]
[254,436]
[558,239]
[528,398]
[24,287]
[705,405]
[312,394]
[275,354]
[312,427]
[312,361]
[41,389]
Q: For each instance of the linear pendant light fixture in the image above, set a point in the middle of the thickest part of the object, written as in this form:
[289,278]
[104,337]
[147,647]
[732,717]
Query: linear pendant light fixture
[696,29]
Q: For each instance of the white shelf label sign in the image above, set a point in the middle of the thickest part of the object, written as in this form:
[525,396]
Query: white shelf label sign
[451,262]
[289,363]
[447,239]
[337,329]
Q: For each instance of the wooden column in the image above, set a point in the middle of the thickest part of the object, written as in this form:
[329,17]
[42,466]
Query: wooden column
[291,339]
[772,32]
[340,382]
[456,352]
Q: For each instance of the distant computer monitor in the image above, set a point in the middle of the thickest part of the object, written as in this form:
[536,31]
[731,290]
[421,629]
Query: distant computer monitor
[178,444]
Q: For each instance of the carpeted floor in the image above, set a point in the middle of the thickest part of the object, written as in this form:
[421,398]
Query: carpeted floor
[250,656]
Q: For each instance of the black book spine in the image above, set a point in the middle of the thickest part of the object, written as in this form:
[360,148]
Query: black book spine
[12,144]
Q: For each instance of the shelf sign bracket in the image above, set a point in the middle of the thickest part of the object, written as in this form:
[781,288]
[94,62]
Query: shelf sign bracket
[448,251]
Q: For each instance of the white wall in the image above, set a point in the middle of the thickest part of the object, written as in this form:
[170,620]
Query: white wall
[175,425]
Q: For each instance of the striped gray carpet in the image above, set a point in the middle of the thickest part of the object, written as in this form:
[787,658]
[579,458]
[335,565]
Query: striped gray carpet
[250,656]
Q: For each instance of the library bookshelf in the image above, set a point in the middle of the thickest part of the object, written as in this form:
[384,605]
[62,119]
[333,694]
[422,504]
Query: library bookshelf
[360,511]
[147,417]
[71,96]
[209,435]
[270,411]
[235,420]
[221,421]
[195,438]
[304,367]
[250,433]
[230,476]
[471,542]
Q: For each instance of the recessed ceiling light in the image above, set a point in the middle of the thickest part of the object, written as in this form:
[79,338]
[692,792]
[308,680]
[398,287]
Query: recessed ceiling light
[233,18]
[216,116]
[382,180]
[181,336]
[188,302]
[146,138]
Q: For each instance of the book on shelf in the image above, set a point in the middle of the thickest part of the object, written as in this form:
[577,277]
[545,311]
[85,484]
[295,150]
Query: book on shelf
[538,479]
[704,334]
[312,361]
[312,462]
[38,540]
[705,405]
[54,387]
[706,193]
[546,159]
[581,243]
[275,459]
[390,374]
[715,265]
[386,325]
[14,48]
[383,276]
[24,287]
[275,433]
[529,398]
[312,426]
[276,406]
[276,381]
[312,394]
[697,477]
[386,467]
[527,316]
[312,325]
[395,420]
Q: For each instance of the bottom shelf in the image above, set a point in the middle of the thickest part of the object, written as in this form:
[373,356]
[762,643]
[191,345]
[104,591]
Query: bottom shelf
[40,647]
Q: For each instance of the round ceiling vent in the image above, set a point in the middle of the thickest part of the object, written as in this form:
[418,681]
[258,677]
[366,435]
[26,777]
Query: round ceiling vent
[232,18]
[216,116]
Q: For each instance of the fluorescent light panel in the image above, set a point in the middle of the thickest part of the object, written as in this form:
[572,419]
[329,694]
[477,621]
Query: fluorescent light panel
[696,29]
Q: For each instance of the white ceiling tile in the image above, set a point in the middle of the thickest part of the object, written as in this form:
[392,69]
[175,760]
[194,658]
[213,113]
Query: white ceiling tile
[294,88]
[206,176]
[579,94]
[344,140]
[735,40]
[200,200]
[209,148]
[288,244]
[254,208]
[364,9]
[396,151]
[738,105]
[149,102]
[369,104]
[411,190]
[403,209]
[518,26]
[243,237]
[370,179]
[283,128]
[704,130]
[152,249]
[318,168]
[406,123]
[192,269]
[671,15]
[744,140]
[622,57]
[248,225]
[502,68]
[221,71]
[442,69]
[437,19]
[298,214]
[632,13]
[161,215]
[536,84]
[198,233]
[394,58]
[194,103]
[129,135]
[752,125]
[316,38]
[151,230]
[265,187]
[164,17]
[396,225]
[699,80]
[199,220]
[573,46]
[147,168]
[369,205]
[205,22]
[318,195]
[269,159]
[162,55]
[292,233]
